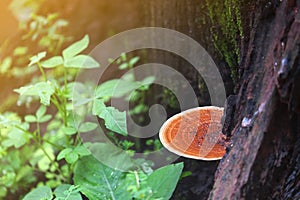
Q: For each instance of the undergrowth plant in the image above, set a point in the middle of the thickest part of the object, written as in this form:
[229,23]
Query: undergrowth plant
[44,149]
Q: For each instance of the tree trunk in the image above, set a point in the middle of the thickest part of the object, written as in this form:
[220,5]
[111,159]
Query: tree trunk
[263,160]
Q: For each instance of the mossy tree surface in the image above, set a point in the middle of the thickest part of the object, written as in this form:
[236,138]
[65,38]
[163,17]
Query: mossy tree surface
[226,29]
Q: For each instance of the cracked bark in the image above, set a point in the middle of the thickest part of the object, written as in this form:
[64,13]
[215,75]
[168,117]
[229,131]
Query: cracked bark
[263,161]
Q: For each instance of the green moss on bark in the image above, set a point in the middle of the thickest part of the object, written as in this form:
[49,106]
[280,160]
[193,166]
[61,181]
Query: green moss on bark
[226,30]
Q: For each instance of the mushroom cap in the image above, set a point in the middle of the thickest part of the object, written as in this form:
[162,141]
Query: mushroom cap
[195,133]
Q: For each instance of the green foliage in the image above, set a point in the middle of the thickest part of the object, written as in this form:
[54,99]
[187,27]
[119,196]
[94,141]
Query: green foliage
[67,192]
[39,193]
[124,62]
[47,31]
[114,119]
[43,90]
[52,142]
[225,17]
[97,181]
[43,149]
[62,192]
[71,155]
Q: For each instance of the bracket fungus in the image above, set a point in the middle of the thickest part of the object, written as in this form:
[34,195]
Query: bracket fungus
[195,133]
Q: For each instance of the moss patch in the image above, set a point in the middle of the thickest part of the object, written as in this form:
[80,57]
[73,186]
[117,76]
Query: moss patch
[226,30]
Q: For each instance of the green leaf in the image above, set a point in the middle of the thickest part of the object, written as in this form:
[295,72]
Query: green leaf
[133,61]
[87,126]
[114,119]
[69,130]
[123,57]
[76,48]
[110,60]
[67,192]
[82,151]
[98,106]
[106,89]
[30,118]
[185,174]
[42,89]
[81,61]
[5,65]
[123,66]
[52,62]
[112,156]
[42,160]
[19,51]
[63,153]
[35,59]
[168,177]
[99,182]
[71,157]
[44,118]
[40,193]
[17,137]
[148,80]
[41,111]
[116,88]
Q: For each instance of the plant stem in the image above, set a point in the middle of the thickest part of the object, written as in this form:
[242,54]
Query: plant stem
[137,179]
[53,144]
[42,71]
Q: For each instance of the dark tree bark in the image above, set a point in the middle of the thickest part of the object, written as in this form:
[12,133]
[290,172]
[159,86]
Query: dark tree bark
[263,160]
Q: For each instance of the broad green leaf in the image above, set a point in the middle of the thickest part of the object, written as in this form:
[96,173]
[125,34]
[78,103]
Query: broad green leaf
[106,89]
[35,59]
[42,89]
[87,126]
[163,181]
[82,151]
[82,62]
[71,157]
[67,192]
[40,193]
[98,181]
[114,119]
[98,106]
[52,62]
[112,156]
[63,153]
[116,88]
[76,48]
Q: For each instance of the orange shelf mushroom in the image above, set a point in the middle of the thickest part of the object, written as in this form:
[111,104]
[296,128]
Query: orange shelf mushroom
[195,133]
